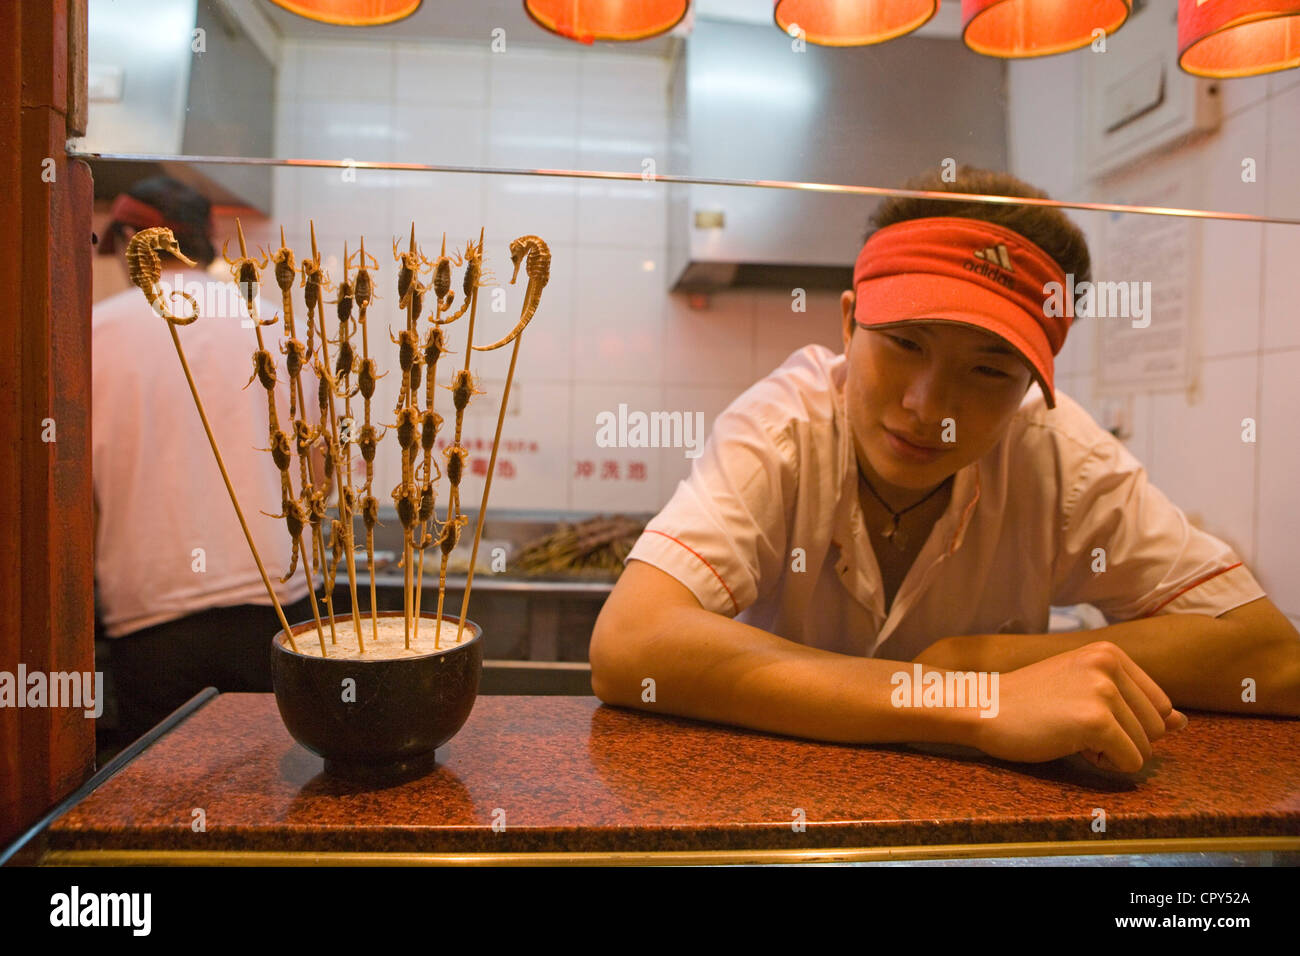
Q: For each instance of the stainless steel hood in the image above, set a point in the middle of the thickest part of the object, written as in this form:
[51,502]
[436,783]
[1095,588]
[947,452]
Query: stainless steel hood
[747,105]
[205,85]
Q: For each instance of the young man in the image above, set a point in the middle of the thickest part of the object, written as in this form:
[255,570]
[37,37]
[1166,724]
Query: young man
[912,500]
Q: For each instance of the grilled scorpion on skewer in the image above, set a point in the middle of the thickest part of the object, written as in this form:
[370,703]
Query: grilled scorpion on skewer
[146,270]
[473,257]
[538,254]
[245,272]
[296,517]
[408,272]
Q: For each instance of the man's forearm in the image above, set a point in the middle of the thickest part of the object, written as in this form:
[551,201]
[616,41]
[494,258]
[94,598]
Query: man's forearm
[1201,662]
[709,667]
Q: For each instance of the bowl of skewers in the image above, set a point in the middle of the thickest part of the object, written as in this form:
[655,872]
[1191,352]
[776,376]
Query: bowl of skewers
[374,693]
[382,715]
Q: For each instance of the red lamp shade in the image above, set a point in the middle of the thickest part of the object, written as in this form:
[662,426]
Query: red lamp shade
[1225,38]
[1024,28]
[614,20]
[351,13]
[852,22]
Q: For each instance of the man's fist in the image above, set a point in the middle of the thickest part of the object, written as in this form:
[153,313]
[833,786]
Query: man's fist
[1092,700]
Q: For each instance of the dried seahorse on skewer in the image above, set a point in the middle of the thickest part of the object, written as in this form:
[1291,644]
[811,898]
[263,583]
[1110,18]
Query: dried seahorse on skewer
[145,269]
[538,255]
[539,270]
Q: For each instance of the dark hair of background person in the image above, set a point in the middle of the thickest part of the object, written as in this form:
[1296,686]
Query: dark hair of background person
[1044,226]
[187,211]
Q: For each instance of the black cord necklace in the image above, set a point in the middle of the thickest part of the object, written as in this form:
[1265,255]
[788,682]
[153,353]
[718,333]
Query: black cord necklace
[892,534]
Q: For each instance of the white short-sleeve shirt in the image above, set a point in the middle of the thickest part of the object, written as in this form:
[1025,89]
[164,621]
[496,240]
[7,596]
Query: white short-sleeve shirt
[768,528]
[169,541]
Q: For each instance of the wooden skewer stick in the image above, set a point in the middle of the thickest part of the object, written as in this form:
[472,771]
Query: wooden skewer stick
[487,486]
[419,585]
[311,589]
[318,532]
[225,476]
[295,390]
[370,534]
[453,505]
[412,322]
[345,509]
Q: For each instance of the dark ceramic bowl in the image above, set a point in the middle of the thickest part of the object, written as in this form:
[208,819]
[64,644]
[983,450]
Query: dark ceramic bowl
[403,711]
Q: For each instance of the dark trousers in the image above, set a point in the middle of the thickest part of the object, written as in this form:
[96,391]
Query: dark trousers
[157,669]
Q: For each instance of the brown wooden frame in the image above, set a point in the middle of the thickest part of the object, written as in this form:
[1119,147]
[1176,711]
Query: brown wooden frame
[46,492]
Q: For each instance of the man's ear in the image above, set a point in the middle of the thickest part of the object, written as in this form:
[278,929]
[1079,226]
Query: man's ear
[847,302]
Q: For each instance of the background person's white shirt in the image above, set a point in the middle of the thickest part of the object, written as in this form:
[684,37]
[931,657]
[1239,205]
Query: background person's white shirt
[778,473]
[157,484]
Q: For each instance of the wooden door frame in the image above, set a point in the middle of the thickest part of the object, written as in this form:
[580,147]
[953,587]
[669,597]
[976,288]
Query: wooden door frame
[46,524]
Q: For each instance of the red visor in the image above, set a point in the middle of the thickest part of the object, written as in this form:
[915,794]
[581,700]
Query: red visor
[968,271]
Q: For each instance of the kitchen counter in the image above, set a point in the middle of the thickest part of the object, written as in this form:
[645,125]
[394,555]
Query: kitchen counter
[577,781]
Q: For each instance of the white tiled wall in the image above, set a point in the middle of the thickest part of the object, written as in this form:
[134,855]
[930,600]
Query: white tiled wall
[608,331]
[1247,316]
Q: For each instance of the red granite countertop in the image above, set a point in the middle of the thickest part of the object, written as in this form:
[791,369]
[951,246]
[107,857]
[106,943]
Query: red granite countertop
[570,774]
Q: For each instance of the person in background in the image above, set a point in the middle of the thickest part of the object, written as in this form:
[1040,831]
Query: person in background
[177,590]
[910,507]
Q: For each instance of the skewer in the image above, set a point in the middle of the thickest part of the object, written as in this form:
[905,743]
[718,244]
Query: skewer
[454,517]
[284,276]
[146,269]
[234,500]
[315,283]
[538,256]
[419,578]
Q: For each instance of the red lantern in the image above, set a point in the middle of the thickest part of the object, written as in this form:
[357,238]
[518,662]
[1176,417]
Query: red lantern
[616,20]
[351,13]
[1025,28]
[852,22]
[1226,38]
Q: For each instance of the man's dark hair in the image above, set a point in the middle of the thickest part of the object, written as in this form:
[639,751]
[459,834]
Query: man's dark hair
[1044,226]
[187,209]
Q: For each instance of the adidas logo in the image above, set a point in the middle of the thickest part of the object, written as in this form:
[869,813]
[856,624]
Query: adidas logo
[994,264]
[996,255]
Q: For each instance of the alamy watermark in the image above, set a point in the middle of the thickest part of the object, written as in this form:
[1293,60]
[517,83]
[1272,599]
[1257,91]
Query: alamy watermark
[59,689]
[75,908]
[217,298]
[946,689]
[1105,300]
[624,429]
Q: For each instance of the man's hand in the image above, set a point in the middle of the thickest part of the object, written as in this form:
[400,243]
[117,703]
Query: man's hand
[1092,700]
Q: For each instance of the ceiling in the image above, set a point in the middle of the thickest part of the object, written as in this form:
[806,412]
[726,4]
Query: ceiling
[470,20]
